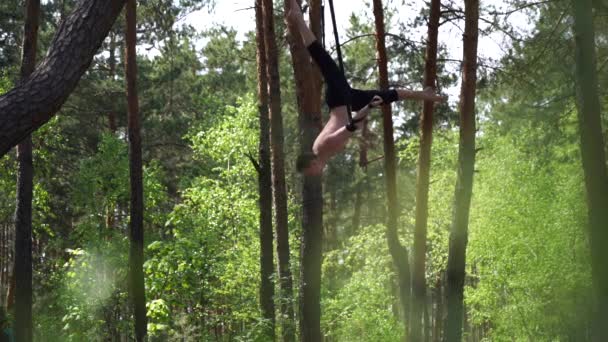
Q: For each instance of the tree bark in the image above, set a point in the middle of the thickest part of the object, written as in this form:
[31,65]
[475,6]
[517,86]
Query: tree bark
[25,187]
[593,158]
[136,224]
[308,93]
[112,115]
[464,182]
[398,252]
[422,182]
[264,182]
[34,101]
[279,190]
[362,186]
[439,309]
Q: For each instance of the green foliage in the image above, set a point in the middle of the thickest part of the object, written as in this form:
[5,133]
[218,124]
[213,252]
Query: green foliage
[211,260]
[528,255]
[11,18]
[362,307]
[90,288]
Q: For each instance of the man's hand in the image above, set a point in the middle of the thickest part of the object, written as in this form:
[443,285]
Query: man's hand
[362,113]
[376,101]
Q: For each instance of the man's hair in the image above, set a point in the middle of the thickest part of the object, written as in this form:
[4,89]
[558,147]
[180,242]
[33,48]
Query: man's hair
[304,161]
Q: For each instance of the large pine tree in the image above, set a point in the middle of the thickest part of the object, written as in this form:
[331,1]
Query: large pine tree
[464,182]
[398,252]
[25,187]
[279,190]
[593,157]
[264,181]
[422,181]
[136,224]
[307,81]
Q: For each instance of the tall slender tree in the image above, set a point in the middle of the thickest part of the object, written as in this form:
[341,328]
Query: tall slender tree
[416,326]
[112,125]
[362,186]
[464,181]
[264,181]
[309,122]
[25,186]
[279,190]
[593,157]
[398,252]
[136,224]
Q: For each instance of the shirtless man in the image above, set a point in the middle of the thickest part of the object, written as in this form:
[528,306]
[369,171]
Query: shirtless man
[336,133]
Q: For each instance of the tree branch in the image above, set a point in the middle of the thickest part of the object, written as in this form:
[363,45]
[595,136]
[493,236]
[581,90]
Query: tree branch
[33,102]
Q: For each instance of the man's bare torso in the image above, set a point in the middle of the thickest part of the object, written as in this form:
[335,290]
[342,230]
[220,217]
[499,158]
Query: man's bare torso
[327,143]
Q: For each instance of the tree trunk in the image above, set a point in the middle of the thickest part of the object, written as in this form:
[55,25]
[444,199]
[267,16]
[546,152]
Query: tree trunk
[362,186]
[398,252]
[308,86]
[10,293]
[422,182]
[439,308]
[25,187]
[279,190]
[594,159]
[7,264]
[264,182]
[136,224]
[112,115]
[464,182]
[72,49]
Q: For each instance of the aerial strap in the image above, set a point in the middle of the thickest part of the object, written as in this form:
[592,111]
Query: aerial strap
[323,23]
[351,125]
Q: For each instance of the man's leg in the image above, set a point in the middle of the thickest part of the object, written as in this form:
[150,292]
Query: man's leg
[338,88]
[361,98]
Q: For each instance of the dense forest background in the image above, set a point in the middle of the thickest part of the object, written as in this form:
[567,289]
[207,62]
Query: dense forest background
[528,258]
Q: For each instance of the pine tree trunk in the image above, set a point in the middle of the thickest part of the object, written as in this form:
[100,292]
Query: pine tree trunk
[4,265]
[422,182]
[25,187]
[76,42]
[398,252]
[464,182]
[362,186]
[308,85]
[7,263]
[264,182]
[136,225]
[279,190]
[594,159]
[439,308]
[112,115]
[7,276]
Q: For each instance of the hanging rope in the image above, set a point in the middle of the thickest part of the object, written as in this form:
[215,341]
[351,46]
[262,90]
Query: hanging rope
[341,63]
[323,23]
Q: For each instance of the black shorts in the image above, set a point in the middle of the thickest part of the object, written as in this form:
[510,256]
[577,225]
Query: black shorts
[338,92]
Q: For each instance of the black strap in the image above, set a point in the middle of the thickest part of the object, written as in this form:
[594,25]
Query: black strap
[323,23]
[351,125]
[347,96]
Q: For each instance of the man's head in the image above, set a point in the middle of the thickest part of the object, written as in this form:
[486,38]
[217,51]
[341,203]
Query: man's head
[309,164]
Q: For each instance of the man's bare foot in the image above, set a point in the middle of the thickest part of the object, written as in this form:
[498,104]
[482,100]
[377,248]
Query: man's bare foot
[429,94]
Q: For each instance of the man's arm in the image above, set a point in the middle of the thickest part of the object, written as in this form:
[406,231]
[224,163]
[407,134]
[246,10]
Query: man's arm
[329,145]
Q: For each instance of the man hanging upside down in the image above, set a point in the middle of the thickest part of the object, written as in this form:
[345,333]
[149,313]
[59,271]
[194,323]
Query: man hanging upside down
[336,133]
